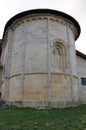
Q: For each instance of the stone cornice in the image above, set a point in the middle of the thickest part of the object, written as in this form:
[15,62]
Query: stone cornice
[39,12]
[53,18]
[34,17]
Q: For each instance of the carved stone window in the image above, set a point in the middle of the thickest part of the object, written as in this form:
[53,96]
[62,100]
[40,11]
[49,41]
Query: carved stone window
[59,56]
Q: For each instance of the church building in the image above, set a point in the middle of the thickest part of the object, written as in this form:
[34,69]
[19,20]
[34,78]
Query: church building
[40,66]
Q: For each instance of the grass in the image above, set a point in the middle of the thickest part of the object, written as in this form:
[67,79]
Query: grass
[14,118]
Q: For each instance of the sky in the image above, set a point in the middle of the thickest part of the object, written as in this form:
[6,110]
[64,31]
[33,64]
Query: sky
[75,8]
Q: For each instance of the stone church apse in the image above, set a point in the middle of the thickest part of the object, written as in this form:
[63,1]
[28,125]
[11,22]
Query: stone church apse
[39,59]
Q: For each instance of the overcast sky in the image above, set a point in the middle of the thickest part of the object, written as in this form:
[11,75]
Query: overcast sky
[75,8]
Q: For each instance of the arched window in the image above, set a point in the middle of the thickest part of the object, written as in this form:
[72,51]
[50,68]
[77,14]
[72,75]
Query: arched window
[59,56]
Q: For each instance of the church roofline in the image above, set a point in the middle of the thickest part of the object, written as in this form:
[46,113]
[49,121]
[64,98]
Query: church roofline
[82,55]
[38,11]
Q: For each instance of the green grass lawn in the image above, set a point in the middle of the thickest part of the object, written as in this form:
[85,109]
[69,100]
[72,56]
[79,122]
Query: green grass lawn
[13,118]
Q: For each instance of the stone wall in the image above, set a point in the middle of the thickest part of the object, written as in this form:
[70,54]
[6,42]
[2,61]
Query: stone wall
[81,72]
